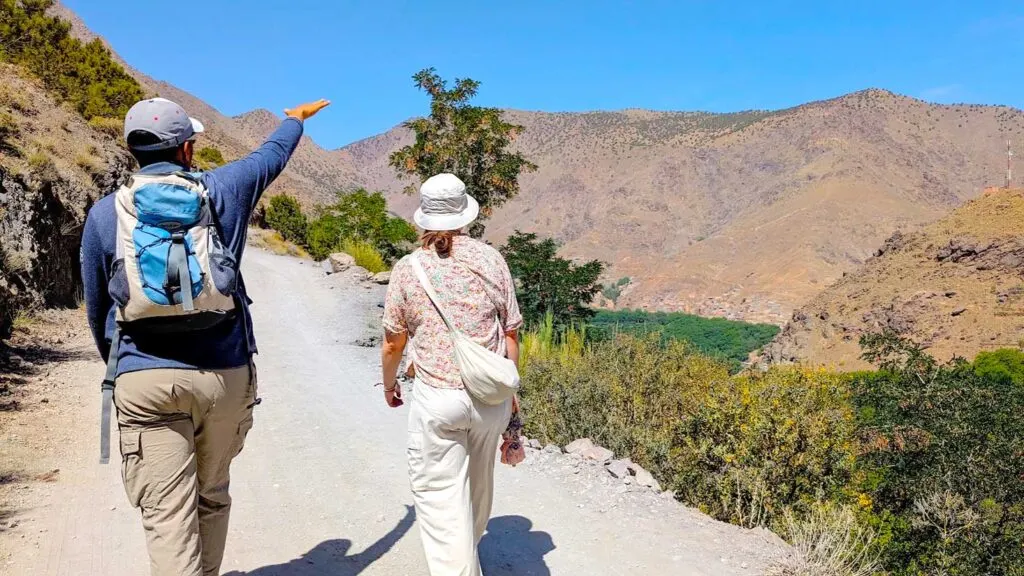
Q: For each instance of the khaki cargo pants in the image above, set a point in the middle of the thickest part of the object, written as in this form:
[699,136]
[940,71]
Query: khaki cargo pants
[180,429]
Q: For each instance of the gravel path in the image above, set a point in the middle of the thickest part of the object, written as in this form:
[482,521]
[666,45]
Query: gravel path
[321,488]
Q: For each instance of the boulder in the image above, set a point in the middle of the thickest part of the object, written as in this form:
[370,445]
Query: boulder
[327,266]
[599,454]
[382,277]
[619,468]
[644,478]
[579,446]
[535,444]
[359,273]
[340,262]
[552,449]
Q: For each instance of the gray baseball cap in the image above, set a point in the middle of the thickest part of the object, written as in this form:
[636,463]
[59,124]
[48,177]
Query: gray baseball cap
[165,120]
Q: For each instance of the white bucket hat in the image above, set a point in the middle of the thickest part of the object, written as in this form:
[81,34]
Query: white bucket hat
[444,204]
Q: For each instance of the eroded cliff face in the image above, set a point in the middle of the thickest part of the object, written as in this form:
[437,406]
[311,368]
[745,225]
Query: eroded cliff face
[53,167]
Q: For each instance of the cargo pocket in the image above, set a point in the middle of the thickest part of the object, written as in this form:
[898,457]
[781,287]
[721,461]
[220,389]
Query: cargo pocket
[414,452]
[131,466]
[252,399]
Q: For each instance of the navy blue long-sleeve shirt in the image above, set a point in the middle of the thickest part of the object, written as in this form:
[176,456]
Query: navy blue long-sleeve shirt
[234,191]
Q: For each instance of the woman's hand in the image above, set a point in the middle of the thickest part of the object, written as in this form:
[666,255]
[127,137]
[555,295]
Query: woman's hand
[393,397]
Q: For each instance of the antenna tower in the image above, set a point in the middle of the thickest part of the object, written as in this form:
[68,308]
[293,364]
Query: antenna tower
[1009,165]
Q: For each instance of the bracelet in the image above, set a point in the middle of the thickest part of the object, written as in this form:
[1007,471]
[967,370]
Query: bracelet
[392,389]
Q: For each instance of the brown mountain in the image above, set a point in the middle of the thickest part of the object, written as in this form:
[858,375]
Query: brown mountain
[745,215]
[957,286]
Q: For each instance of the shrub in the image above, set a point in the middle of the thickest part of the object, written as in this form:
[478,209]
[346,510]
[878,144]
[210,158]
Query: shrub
[362,216]
[42,166]
[209,157]
[113,127]
[284,214]
[743,449]
[829,541]
[1006,365]
[8,131]
[83,73]
[365,255]
[89,163]
[943,454]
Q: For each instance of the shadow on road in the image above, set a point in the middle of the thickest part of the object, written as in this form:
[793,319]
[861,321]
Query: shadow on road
[510,548]
[330,558]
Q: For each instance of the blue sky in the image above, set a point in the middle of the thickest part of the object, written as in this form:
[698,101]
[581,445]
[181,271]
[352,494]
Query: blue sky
[564,55]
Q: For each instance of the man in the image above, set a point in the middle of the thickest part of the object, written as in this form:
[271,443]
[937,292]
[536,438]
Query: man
[184,400]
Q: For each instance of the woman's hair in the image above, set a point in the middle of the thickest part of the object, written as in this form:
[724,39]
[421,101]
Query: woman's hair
[441,242]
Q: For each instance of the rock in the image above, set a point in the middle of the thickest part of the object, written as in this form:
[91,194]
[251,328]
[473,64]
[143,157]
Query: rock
[950,293]
[958,311]
[340,261]
[360,273]
[599,454]
[644,478]
[381,277]
[552,449]
[619,468]
[579,446]
[370,342]
[535,444]
[327,266]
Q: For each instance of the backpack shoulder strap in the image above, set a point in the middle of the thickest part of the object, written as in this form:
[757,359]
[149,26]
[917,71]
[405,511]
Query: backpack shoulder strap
[429,288]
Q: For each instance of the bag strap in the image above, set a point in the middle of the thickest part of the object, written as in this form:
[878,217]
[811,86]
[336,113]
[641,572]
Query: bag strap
[108,395]
[429,288]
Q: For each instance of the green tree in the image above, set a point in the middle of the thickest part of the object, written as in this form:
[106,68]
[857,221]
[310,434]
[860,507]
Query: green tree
[284,214]
[547,283]
[469,141]
[360,216]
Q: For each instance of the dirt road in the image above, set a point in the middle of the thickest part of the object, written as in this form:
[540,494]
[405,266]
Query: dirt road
[321,488]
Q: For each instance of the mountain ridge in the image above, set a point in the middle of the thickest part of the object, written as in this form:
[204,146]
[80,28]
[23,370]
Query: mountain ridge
[745,214]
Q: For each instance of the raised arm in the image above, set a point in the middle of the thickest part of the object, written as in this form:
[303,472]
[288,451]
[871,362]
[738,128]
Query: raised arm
[241,183]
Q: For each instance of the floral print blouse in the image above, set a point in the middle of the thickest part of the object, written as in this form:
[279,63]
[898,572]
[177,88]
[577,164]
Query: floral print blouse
[477,294]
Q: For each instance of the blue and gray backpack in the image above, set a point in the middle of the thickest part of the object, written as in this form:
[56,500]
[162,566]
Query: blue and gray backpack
[171,272]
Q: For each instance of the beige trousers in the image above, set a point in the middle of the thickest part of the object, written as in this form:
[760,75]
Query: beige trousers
[180,429]
[453,443]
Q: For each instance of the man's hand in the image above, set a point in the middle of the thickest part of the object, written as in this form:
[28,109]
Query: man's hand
[304,111]
[393,397]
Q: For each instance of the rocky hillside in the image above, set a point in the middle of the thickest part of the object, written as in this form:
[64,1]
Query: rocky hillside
[742,215]
[53,166]
[957,286]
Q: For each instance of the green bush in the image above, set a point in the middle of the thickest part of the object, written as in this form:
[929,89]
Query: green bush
[82,73]
[284,214]
[1006,365]
[365,255]
[209,158]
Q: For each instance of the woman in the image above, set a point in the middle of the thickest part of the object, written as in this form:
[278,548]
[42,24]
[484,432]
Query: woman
[452,436]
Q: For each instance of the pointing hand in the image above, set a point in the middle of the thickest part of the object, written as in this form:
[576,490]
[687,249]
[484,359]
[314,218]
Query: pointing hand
[308,110]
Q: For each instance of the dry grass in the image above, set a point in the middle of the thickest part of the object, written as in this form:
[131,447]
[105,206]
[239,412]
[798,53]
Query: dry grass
[89,163]
[828,543]
[366,256]
[109,126]
[272,242]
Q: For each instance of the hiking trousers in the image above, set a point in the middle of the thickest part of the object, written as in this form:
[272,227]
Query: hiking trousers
[179,430]
[452,446]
